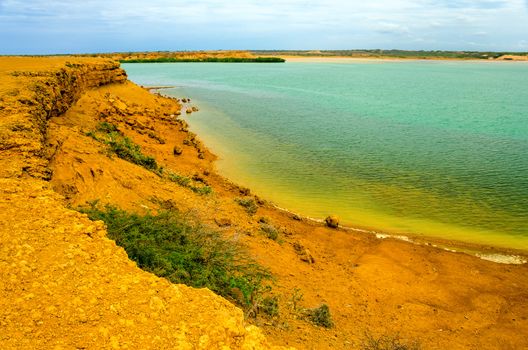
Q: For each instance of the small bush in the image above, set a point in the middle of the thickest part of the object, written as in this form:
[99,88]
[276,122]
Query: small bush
[203,190]
[187,182]
[183,181]
[107,128]
[171,246]
[125,149]
[295,301]
[270,231]
[320,316]
[122,146]
[270,306]
[249,204]
[387,343]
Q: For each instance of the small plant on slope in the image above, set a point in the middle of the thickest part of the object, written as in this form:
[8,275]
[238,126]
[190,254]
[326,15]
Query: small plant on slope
[122,146]
[320,316]
[387,343]
[248,203]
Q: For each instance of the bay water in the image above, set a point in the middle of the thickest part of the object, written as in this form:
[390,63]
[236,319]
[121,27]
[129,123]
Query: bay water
[432,148]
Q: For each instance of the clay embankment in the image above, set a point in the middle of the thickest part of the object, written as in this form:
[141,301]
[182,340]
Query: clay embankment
[63,284]
[32,94]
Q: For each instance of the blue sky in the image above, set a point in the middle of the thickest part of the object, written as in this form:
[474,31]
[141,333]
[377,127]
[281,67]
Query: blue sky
[66,26]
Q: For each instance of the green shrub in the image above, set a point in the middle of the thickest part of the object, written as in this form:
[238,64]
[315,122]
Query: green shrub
[187,182]
[270,306]
[171,246]
[249,204]
[320,316]
[203,190]
[183,181]
[270,231]
[125,149]
[387,343]
[122,146]
[107,128]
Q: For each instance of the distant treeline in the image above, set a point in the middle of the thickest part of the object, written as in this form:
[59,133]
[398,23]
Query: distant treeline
[206,59]
[391,53]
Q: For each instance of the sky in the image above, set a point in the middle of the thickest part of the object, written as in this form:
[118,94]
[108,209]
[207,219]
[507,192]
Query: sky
[89,26]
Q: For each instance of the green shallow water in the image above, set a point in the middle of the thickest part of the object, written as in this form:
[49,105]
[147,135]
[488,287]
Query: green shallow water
[425,148]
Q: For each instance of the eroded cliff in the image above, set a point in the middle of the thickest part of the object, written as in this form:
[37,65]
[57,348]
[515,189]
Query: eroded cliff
[63,284]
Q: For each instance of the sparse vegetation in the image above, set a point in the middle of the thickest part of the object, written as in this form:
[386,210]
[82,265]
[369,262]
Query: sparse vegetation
[187,182]
[387,343]
[123,147]
[295,301]
[206,59]
[183,181]
[248,203]
[320,316]
[270,231]
[106,127]
[172,246]
[203,190]
[270,306]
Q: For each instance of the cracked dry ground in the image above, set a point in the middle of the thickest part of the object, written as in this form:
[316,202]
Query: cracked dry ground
[66,286]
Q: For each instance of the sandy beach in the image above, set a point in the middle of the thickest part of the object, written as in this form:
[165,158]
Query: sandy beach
[348,59]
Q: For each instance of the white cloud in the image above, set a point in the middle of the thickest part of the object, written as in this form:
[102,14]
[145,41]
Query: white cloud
[420,24]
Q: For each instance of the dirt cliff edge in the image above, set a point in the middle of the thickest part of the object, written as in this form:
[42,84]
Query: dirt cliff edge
[63,284]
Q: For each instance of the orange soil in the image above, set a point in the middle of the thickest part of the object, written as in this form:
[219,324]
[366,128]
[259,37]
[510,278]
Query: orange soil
[63,284]
[513,58]
[442,299]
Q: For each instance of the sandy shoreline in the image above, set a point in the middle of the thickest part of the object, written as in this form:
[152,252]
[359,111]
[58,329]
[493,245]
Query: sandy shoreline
[498,254]
[348,59]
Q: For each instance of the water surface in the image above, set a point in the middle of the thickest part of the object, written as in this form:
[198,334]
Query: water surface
[427,148]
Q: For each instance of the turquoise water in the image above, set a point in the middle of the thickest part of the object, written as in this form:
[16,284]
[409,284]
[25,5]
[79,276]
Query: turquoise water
[425,148]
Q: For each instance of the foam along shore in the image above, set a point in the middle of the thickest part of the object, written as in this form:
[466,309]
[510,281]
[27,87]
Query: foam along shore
[150,88]
[498,255]
[373,286]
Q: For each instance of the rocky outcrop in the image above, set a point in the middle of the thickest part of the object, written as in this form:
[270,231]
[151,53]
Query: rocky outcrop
[332,221]
[36,97]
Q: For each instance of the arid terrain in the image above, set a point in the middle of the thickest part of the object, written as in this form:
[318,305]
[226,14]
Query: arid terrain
[65,285]
[332,55]
[175,54]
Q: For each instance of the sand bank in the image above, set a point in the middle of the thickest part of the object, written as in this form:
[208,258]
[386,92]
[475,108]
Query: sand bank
[348,59]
